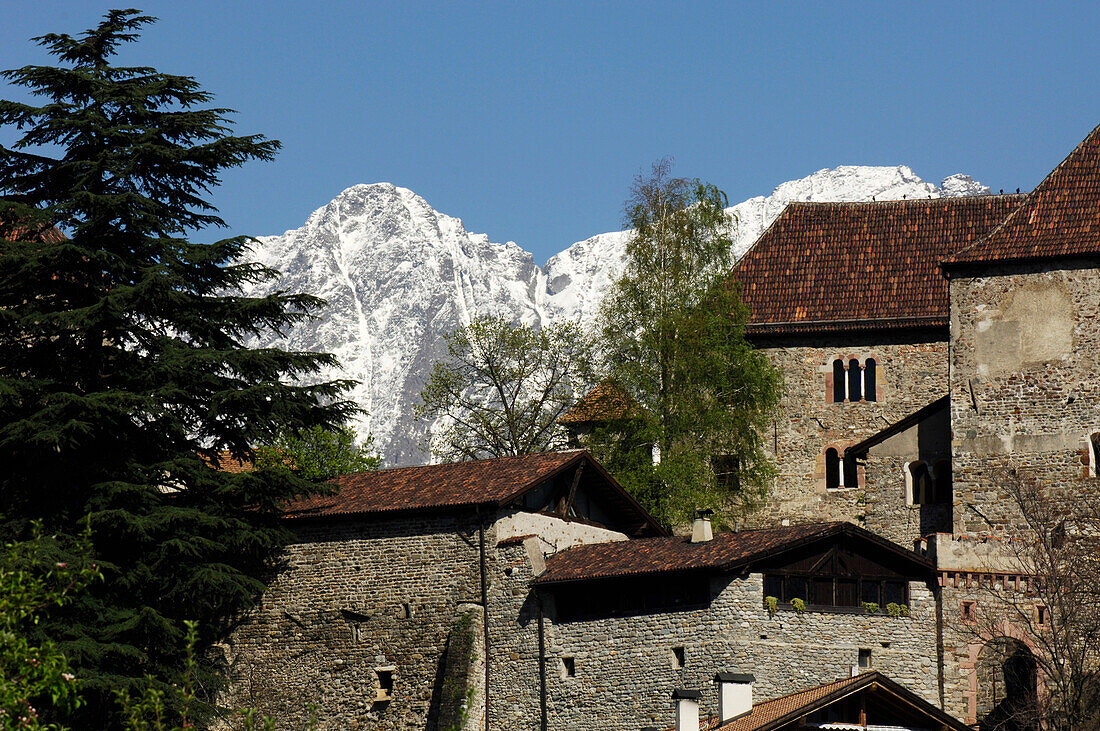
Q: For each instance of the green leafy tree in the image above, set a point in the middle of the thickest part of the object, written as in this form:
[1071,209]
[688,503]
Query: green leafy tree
[123,373]
[319,454]
[35,677]
[503,387]
[672,334]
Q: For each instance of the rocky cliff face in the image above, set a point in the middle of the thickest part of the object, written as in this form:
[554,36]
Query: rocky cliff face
[399,275]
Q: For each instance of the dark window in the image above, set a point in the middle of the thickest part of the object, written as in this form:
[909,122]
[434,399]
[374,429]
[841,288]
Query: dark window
[796,588]
[678,657]
[568,667]
[893,592]
[385,684]
[773,586]
[1094,454]
[726,469]
[920,482]
[855,375]
[631,597]
[832,469]
[968,610]
[865,658]
[870,387]
[838,380]
[851,471]
[870,592]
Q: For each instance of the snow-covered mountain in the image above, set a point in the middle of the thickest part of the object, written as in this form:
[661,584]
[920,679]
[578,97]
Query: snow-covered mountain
[399,275]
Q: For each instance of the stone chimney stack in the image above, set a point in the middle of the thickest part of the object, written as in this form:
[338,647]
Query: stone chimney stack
[734,695]
[700,529]
[687,709]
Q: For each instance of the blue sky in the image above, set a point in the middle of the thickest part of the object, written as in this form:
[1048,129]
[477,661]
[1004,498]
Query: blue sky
[529,120]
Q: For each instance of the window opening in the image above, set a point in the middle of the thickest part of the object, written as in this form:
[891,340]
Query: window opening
[870,387]
[855,378]
[851,471]
[1042,615]
[678,658]
[832,469]
[568,667]
[864,658]
[1094,454]
[918,483]
[968,611]
[385,684]
[840,388]
[726,472]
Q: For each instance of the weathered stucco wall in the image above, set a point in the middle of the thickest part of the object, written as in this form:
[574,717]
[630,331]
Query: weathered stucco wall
[911,373]
[1025,384]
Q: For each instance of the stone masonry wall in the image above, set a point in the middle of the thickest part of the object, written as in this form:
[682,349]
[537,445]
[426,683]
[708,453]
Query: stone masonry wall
[625,667]
[1025,384]
[354,597]
[912,372]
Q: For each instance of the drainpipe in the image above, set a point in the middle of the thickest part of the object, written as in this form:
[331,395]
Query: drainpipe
[544,721]
[485,606]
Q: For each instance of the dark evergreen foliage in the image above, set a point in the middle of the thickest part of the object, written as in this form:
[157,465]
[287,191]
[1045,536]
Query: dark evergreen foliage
[122,365]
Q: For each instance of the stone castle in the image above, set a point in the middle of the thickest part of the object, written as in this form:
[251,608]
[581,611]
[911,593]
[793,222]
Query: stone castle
[929,348]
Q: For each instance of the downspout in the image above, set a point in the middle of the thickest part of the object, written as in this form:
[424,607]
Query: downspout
[937,592]
[543,712]
[485,607]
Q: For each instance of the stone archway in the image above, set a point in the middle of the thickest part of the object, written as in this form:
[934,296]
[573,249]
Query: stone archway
[1007,686]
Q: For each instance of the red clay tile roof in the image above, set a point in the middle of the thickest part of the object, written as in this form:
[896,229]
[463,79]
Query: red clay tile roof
[725,552]
[605,402]
[789,708]
[227,463]
[846,266]
[481,482]
[1060,218]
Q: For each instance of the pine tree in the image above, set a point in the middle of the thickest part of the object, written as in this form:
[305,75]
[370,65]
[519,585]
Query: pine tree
[122,366]
[672,332]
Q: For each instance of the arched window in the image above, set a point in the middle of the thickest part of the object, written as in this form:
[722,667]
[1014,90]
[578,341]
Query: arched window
[832,469]
[855,376]
[851,471]
[870,388]
[839,390]
[1094,454]
[918,483]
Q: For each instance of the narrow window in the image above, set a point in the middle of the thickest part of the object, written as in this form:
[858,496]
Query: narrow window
[832,469]
[568,667]
[385,684]
[1094,454]
[855,375]
[678,658]
[851,471]
[838,381]
[864,658]
[870,388]
[773,586]
[918,483]
[1042,615]
[968,611]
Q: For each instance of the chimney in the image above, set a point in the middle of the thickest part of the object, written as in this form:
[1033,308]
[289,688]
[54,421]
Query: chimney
[734,695]
[687,709]
[700,530]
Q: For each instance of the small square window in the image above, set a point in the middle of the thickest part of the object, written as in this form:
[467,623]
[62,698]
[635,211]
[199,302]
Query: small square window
[968,611]
[384,693]
[568,667]
[864,658]
[678,658]
[1042,615]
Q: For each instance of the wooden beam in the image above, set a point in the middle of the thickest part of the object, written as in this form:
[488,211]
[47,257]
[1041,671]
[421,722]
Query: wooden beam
[568,503]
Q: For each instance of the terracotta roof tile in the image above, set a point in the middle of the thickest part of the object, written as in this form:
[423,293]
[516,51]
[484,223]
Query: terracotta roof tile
[831,266]
[480,482]
[787,710]
[433,486]
[677,553]
[604,402]
[46,236]
[1060,218]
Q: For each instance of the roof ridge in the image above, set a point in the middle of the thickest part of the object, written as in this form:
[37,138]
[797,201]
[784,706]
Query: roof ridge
[532,455]
[1034,194]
